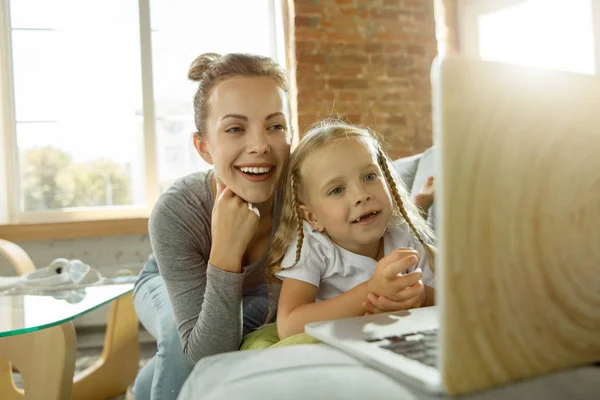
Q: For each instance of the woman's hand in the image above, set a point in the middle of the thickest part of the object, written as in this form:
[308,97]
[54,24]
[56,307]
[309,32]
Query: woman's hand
[233,226]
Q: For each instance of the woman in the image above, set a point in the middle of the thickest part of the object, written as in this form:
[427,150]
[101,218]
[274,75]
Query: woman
[211,230]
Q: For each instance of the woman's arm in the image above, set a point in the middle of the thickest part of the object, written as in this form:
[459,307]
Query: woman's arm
[207,301]
[297,306]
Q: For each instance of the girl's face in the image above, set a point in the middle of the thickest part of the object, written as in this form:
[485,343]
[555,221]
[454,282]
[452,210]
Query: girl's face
[346,195]
[247,136]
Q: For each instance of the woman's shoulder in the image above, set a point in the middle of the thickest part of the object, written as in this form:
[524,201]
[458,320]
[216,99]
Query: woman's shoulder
[193,188]
[186,199]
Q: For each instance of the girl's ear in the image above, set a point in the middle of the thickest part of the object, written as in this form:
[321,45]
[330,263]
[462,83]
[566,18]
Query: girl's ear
[202,149]
[311,218]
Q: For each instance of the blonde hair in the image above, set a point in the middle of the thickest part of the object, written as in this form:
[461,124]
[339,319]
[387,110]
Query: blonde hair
[404,211]
[211,68]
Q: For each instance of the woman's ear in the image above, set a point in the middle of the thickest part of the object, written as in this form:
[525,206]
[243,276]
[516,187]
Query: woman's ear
[311,218]
[202,148]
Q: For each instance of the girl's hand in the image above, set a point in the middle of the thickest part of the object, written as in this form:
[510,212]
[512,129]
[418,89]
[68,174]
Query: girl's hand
[233,226]
[387,281]
[414,296]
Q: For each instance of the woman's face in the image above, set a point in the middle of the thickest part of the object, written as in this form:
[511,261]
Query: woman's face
[247,137]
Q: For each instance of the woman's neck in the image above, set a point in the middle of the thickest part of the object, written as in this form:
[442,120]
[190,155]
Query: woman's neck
[265,209]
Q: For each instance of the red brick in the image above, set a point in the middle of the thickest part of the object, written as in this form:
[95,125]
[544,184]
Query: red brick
[348,95]
[352,71]
[368,61]
[306,47]
[306,21]
[353,118]
[391,37]
[394,48]
[375,48]
[396,120]
[344,49]
[417,4]
[303,68]
[387,14]
[307,9]
[310,95]
[312,59]
[349,11]
[303,33]
[348,83]
[349,59]
[346,23]
[392,97]
[343,37]
[327,95]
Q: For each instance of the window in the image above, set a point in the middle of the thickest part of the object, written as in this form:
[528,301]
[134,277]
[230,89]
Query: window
[96,107]
[555,34]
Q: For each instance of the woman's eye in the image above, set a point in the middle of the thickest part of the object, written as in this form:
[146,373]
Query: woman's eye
[277,127]
[370,177]
[235,129]
[336,191]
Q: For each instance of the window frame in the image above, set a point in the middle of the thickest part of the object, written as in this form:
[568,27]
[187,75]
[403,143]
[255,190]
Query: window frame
[469,10]
[10,191]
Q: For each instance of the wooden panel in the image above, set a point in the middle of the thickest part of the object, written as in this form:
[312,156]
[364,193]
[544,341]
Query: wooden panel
[74,230]
[519,198]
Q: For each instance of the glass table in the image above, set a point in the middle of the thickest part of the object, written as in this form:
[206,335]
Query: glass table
[38,336]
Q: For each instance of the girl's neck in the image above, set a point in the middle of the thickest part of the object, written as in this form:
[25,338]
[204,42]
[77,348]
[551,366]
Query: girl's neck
[372,250]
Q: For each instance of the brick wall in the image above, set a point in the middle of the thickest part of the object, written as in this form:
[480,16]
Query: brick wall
[367,61]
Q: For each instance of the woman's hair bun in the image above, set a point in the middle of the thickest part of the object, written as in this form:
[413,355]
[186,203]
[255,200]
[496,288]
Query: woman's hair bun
[202,63]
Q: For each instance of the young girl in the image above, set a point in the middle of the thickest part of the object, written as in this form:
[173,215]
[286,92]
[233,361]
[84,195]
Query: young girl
[348,231]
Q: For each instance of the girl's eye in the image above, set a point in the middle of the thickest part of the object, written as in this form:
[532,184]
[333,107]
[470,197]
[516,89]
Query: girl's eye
[370,177]
[235,129]
[335,191]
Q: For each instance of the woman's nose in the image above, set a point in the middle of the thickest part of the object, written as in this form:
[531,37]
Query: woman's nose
[258,143]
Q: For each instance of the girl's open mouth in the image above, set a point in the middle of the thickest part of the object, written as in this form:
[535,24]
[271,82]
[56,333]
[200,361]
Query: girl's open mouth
[366,217]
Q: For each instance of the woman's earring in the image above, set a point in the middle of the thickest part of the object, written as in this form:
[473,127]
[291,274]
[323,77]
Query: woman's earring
[315,230]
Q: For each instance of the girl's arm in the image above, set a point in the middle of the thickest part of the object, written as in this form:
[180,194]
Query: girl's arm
[297,306]
[380,304]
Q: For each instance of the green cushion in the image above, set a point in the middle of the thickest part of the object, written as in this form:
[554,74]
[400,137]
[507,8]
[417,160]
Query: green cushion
[267,336]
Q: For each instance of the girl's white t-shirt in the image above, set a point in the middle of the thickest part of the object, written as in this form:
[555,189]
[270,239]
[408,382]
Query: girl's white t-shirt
[335,270]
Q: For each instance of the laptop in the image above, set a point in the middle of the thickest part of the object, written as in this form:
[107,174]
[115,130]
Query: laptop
[518,268]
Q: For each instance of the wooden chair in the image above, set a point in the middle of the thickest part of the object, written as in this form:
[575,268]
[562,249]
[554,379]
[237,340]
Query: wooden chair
[112,373]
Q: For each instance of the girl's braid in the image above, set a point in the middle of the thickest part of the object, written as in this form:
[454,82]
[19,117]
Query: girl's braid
[382,160]
[296,208]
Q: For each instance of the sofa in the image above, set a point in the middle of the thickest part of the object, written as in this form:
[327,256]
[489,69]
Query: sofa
[414,171]
[318,371]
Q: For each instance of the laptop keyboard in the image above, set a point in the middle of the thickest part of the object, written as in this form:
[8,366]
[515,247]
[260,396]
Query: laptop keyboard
[419,346]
